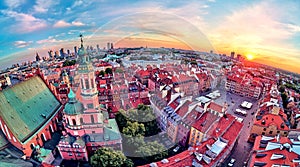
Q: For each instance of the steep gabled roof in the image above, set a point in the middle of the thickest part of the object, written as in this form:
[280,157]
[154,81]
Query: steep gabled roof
[27,106]
[215,107]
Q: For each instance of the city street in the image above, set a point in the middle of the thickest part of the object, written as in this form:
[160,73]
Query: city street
[242,149]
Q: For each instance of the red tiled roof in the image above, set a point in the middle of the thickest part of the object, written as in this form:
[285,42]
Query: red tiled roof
[215,107]
[192,116]
[143,73]
[175,79]
[102,82]
[222,125]
[186,157]
[183,109]
[272,119]
[205,121]
[289,156]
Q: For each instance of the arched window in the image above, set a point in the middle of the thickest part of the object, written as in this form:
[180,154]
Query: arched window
[74,122]
[81,121]
[92,119]
[82,87]
[32,146]
[92,82]
[87,85]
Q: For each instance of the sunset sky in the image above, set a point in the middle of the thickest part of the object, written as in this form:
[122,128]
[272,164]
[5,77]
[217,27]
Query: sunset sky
[268,30]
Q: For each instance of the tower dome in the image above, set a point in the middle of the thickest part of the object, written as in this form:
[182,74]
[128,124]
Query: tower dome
[73,107]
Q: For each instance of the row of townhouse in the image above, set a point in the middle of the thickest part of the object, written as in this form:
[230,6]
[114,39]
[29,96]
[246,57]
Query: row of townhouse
[244,85]
[270,120]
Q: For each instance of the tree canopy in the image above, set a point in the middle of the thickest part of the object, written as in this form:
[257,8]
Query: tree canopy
[107,157]
[69,63]
[108,71]
[135,125]
[152,151]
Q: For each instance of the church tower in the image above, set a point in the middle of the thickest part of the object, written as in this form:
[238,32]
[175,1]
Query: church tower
[65,78]
[88,86]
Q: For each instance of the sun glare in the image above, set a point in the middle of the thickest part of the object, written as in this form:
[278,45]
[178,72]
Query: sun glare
[250,56]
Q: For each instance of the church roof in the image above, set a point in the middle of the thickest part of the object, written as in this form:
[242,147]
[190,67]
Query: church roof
[73,106]
[26,107]
[71,94]
[3,141]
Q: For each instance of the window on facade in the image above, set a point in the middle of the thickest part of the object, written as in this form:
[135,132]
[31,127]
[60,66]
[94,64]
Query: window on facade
[285,133]
[278,131]
[32,146]
[263,133]
[87,85]
[90,105]
[265,129]
[81,121]
[92,119]
[74,121]
[270,132]
[82,84]
[92,83]
[70,154]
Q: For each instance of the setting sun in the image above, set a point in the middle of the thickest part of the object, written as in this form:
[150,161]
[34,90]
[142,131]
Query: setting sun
[250,56]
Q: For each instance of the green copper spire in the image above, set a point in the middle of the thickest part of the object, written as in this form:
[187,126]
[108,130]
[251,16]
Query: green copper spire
[73,107]
[71,95]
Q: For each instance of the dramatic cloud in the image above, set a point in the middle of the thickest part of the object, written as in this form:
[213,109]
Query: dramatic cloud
[268,29]
[77,23]
[62,23]
[14,3]
[293,27]
[22,44]
[25,23]
[257,29]
[42,6]
[49,40]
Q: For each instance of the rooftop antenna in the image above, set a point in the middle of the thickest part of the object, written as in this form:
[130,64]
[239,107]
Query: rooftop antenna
[81,36]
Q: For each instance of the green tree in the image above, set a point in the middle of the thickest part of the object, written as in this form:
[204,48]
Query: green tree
[152,151]
[134,129]
[108,71]
[102,73]
[284,98]
[119,70]
[107,157]
[281,89]
[69,63]
[121,119]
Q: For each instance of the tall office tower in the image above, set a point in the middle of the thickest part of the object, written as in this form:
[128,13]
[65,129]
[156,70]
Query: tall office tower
[108,45]
[68,52]
[62,52]
[111,46]
[238,57]
[37,57]
[75,50]
[50,52]
[56,55]
[232,54]
[98,48]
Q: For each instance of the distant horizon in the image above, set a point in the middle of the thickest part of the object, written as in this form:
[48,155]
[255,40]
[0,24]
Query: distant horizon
[266,31]
[31,57]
